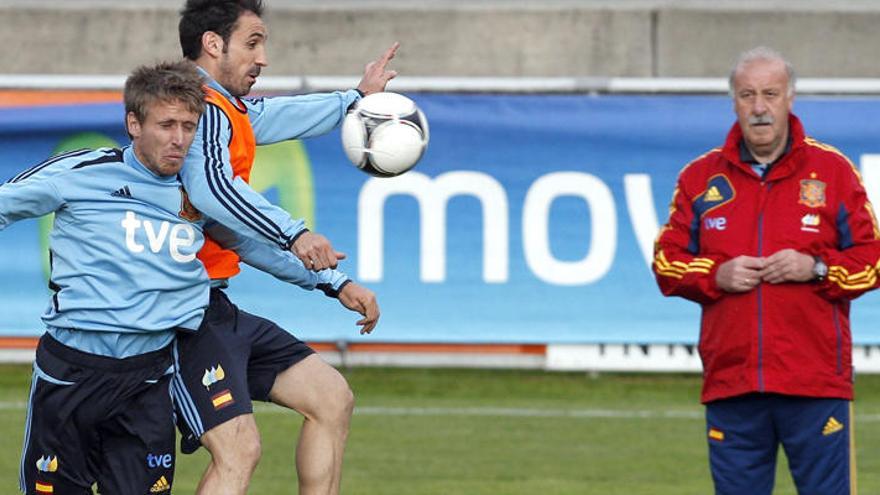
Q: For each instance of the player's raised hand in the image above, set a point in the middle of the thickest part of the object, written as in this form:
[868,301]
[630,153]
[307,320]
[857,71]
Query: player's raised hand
[376,73]
[316,252]
[362,300]
[740,274]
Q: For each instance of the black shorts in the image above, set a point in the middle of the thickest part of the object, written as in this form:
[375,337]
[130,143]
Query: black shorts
[233,359]
[94,419]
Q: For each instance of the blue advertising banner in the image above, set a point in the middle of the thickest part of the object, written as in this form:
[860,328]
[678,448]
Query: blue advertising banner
[530,219]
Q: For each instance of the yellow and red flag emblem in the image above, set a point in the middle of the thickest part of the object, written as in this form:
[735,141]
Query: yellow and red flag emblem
[716,434]
[222,399]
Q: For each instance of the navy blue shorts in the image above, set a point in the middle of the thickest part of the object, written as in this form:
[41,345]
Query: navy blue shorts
[817,435]
[94,419]
[233,359]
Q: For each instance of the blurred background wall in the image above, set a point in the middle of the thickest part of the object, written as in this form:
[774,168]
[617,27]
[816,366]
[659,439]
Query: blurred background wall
[614,38]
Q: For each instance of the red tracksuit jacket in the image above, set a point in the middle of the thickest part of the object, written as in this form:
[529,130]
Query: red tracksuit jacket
[791,338]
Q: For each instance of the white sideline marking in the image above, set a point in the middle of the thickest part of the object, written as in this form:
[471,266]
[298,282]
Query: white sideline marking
[524,412]
[495,412]
[531,412]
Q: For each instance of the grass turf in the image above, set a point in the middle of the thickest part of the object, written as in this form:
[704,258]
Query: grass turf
[420,431]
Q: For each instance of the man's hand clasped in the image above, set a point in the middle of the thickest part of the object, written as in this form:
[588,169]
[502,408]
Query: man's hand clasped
[744,273]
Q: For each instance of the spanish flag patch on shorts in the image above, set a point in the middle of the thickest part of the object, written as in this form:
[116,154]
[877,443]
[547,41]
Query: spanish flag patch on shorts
[716,434]
[222,399]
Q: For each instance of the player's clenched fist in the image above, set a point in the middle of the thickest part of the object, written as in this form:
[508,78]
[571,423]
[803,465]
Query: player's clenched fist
[316,252]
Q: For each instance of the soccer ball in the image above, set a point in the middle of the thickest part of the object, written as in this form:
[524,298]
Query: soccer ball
[385,134]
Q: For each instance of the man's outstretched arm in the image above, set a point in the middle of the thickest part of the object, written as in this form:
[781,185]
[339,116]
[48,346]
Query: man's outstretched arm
[213,189]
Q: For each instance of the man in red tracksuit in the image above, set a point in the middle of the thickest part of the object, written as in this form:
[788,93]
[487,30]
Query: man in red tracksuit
[773,235]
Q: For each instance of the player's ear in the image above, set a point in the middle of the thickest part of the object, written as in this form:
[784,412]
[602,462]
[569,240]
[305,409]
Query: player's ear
[132,125]
[212,44]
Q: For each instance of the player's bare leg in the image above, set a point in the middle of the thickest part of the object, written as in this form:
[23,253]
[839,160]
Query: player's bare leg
[235,452]
[320,393]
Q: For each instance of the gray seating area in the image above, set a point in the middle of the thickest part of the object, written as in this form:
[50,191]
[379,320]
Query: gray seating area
[457,38]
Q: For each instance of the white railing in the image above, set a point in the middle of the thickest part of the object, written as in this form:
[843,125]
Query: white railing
[623,85]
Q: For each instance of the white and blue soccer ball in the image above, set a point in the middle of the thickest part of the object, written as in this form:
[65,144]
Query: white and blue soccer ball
[385,134]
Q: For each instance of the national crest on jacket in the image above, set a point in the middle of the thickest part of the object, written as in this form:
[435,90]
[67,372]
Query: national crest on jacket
[812,193]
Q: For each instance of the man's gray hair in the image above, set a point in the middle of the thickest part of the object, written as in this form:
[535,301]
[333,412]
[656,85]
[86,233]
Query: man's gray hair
[762,53]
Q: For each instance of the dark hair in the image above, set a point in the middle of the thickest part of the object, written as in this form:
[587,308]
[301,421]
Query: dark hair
[165,81]
[218,16]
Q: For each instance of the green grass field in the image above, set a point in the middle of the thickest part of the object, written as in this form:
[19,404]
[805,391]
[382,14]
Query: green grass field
[428,432]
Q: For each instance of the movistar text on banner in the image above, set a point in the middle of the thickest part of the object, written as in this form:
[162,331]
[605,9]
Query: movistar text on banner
[530,218]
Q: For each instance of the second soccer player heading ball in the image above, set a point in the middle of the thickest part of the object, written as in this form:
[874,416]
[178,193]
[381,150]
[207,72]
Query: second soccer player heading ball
[385,134]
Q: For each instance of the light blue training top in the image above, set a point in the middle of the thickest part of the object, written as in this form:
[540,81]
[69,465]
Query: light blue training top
[124,272]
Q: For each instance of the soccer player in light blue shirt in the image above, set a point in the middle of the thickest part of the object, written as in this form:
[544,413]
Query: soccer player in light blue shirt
[261,361]
[125,279]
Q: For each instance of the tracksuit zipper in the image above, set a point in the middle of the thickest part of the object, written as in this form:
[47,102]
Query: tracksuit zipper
[760,312]
[765,188]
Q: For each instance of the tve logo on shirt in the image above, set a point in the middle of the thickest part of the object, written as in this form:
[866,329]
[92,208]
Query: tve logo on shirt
[715,223]
[181,235]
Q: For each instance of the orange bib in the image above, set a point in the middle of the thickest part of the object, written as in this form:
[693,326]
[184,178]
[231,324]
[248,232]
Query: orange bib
[223,263]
